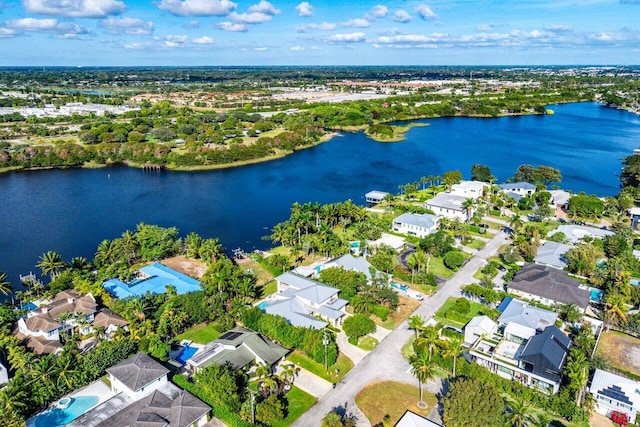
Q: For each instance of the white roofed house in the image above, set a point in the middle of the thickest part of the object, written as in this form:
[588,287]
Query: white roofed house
[469,189]
[374,197]
[307,303]
[614,393]
[478,327]
[520,189]
[419,225]
[448,205]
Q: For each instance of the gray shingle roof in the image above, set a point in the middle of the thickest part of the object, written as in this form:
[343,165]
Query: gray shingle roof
[447,201]
[547,352]
[527,315]
[351,263]
[137,371]
[547,282]
[296,313]
[419,220]
[552,254]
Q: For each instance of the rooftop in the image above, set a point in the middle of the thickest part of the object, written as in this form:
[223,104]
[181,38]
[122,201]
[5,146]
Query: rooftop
[521,313]
[154,278]
[447,201]
[552,254]
[549,283]
[137,371]
[517,186]
[419,220]
[576,232]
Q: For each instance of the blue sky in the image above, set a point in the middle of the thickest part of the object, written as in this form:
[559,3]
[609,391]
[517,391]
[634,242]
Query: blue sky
[283,32]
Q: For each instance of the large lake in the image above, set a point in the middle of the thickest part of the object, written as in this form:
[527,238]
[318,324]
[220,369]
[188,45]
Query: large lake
[72,211]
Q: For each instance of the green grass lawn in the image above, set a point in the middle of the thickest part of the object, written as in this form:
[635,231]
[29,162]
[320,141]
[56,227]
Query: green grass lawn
[407,348]
[390,400]
[476,244]
[367,343]
[342,365]
[269,288]
[437,267]
[475,309]
[298,403]
[201,334]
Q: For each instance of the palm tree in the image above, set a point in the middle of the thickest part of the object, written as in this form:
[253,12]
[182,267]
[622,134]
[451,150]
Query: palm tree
[423,370]
[262,371]
[79,263]
[453,348]
[540,419]
[51,263]
[616,308]
[429,337]
[288,373]
[416,322]
[516,223]
[519,410]
[468,205]
[5,285]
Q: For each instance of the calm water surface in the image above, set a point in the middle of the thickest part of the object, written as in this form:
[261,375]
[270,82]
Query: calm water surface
[72,211]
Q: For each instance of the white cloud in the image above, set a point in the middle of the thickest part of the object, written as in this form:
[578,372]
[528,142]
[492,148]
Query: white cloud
[127,26]
[347,38]
[261,48]
[379,11]
[204,40]
[357,22]
[193,24]
[7,32]
[75,8]
[558,28]
[402,16]
[172,41]
[198,7]
[52,26]
[136,46]
[293,48]
[425,12]
[304,9]
[325,26]
[264,7]
[250,18]
[234,27]
[486,27]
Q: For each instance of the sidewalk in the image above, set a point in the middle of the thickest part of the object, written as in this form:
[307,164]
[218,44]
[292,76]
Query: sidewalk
[354,353]
[311,383]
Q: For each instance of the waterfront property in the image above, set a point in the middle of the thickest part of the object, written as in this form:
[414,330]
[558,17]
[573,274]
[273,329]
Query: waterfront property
[303,301]
[396,242]
[350,263]
[552,254]
[575,233]
[67,312]
[374,197]
[419,225]
[238,347]
[613,393]
[560,199]
[517,190]
[143,395]
[447,205]
[469,189]
[153,278]
[548,286]
[517,353]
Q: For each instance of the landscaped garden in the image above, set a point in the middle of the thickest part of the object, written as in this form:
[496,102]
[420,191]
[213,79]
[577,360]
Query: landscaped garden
[298,403]
[202,333]
[333,374]
[386,401]
[458,311]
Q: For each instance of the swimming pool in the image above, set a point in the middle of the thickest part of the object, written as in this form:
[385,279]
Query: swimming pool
[634,281]
[596,294]
[59,417]
[398,286]
[185,354]
[355,245]
[263,305]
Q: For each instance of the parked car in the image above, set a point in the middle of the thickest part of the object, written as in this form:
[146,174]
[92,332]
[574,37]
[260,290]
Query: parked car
[415,295]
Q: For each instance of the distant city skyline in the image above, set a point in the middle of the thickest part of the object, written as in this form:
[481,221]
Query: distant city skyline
[284,32]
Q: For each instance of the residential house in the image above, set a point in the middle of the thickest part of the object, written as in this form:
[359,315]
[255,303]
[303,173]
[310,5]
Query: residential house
[548,286]
[576,233]
[448,205]
[153,278]
[517,353]
[525,314]
[552,254]
[613,393]
[560,199]
[634,213]
[411,419]
[304,302]
[109,321]
[419,225]
[238,347]
[374,197]
[350,263]
[144,397]
[478,327]
[469,189]
[40,329]
[517,190]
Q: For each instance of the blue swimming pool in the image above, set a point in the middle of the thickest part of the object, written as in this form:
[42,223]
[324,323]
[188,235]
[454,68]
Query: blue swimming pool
[398,286]
[59,417]
[355,244]
[596,294]
[263,305]
[634,281]
[185,354]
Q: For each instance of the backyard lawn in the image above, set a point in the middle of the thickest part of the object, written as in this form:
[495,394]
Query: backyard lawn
[298,403]
[437,267]
[201,334]
[367,343]
[621,352]
[388,399]
[336,371]
[476,244]
[395,317]
[476,308]
[261,274]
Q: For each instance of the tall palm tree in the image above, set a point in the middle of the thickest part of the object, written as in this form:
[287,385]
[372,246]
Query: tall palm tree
[262,371]
[422,369]
[540,419]
[416,322]
[616,308]
[519,410]
[288,373]
[5,285]
[51,263]
[453,347]
[468,205]
[429,337]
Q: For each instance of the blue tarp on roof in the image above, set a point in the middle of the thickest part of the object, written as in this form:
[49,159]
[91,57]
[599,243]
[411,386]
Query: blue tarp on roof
[160,277]
[505,302]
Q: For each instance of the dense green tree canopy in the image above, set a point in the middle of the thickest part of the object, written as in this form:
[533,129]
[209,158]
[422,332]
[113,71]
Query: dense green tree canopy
[472,402]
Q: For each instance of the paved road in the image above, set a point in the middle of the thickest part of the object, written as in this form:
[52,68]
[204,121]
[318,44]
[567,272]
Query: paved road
[385,362]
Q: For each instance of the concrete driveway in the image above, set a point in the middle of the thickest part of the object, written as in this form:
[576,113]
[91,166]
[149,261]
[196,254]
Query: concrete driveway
[385,362]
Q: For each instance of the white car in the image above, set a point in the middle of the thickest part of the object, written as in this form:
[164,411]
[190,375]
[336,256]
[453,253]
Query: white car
[415,294]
